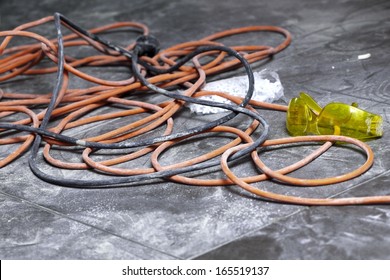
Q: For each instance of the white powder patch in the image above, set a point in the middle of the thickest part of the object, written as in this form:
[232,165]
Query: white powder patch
[268,88]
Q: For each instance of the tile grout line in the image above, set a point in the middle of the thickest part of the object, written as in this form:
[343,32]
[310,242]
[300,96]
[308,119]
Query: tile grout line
[359,184]
[252,231]
[46,209]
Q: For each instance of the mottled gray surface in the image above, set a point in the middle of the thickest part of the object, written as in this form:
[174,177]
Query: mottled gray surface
[168,220]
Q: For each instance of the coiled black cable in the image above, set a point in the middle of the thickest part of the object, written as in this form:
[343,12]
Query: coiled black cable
[133,57]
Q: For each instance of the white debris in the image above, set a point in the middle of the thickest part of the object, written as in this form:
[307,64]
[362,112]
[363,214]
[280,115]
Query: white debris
[364,56]
[268,88]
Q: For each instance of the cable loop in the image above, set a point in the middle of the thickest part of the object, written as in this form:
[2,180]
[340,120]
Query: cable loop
[109,110]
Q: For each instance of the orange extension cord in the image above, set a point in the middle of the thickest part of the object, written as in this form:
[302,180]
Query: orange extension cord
[73,104]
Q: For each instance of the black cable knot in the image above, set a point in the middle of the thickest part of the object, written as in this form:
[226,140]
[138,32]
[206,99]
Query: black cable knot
[147,45]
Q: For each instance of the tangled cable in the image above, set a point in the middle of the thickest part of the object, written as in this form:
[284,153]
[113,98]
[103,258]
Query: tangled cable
[178,73]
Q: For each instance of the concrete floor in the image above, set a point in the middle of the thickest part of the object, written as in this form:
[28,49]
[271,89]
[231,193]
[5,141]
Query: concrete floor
[164,220]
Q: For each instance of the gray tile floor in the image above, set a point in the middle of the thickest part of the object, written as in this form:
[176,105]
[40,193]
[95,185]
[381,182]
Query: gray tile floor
[164,220]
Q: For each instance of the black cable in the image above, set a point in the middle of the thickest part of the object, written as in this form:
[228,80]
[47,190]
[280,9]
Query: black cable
[111,182]
[130,55]
[124,145]
[59,80]
[145,46]
[133,56]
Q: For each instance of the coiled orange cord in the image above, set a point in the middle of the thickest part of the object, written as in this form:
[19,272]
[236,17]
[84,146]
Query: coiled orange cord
[74,104]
